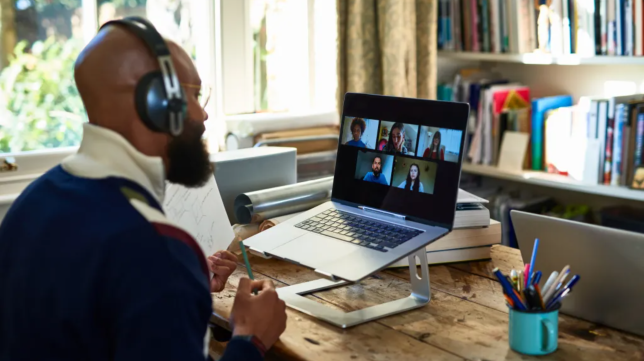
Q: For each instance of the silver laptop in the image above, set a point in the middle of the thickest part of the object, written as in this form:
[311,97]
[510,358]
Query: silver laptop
[610,264]
[395,188]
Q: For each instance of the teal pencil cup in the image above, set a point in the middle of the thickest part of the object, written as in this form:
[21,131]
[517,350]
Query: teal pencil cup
[534,333]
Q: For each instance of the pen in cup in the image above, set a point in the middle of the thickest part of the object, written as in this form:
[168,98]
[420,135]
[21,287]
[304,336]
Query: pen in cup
[536,278]
[550,292]
[532,262]
[509,290]
[551,280]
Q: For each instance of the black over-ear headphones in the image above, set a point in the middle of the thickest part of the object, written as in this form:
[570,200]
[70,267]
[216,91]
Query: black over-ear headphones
[159,98]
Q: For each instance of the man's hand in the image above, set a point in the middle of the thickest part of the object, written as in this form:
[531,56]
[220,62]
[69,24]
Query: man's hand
[263,316]
[222,264]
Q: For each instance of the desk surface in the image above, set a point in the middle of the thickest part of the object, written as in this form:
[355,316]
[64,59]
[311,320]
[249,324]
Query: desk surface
[466,318]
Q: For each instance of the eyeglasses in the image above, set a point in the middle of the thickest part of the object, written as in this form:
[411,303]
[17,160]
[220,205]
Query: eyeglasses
[204,93]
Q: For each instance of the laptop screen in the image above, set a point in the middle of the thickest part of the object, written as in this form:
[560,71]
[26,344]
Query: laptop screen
[401,155]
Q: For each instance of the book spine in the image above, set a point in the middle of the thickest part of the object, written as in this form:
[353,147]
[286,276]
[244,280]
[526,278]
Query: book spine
[505,22]
[602,126]
[456,14]
[608,148]
[589,19]
[467,31]
[608,151]
[524,28]
[639,137]
[620,122]
[513,29]
[626,160]
[452,24]
[439,27]
[604,27]
[495,26]
[619,27]
[503,27]
[598,28]
[610,14]
[565,20]
[628,27]
[574,25]
[532,27]
[485,25]
[592,120]
[476,45]
[639,27]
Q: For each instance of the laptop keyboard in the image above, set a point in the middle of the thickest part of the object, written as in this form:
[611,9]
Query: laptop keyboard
[365,232]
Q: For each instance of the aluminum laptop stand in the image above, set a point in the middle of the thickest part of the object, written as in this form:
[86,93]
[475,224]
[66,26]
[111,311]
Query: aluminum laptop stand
[420,296]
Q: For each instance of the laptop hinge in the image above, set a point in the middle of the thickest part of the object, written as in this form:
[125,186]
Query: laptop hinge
[259,253]
[382,213]
[326,275]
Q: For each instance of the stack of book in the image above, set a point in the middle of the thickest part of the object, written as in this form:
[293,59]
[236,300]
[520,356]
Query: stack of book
[471,239]
[559,27]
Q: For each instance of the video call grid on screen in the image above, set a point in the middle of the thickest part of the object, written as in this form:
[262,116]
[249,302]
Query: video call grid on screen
[433,205]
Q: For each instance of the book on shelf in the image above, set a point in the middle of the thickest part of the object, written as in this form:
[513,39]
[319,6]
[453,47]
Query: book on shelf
[461,245]
[583,27]
[608,136]
[539,108]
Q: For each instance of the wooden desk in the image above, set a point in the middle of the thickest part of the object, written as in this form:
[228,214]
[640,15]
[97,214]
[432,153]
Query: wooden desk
[466,318]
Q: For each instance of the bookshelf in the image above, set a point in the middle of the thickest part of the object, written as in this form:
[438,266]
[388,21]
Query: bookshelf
[554,181]
[541,59]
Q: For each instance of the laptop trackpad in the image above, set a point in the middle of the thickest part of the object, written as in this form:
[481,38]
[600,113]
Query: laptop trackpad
[315,251]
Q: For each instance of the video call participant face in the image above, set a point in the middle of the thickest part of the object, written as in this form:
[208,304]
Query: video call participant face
[437,140]
[356,131]
[376,166]
[376,175]
[397,139]
[358,125]
[413,172]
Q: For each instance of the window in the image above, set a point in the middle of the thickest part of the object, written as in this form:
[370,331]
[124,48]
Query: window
[39,104]
[259,55]
[280,55]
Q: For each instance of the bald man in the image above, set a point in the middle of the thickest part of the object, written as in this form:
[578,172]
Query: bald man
[90,268]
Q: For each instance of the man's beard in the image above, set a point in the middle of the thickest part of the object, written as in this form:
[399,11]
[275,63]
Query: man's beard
[189,161]
[376,173]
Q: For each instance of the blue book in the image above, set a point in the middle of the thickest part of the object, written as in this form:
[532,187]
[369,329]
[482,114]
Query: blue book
[621,119]
[539,108]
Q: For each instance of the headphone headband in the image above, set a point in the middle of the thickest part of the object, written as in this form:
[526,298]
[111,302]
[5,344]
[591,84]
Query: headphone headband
[155,43]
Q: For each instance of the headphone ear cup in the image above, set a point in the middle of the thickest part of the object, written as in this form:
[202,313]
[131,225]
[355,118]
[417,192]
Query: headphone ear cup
[151,102]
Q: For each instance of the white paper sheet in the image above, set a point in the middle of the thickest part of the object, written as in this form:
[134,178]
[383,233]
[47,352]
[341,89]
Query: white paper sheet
[201,212]
[513,149]
[467,197]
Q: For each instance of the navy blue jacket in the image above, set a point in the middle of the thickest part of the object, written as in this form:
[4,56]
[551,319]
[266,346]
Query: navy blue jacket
[85,275]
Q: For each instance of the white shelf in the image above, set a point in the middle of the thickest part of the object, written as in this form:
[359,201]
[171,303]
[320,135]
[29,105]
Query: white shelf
[543,59]
[554,181]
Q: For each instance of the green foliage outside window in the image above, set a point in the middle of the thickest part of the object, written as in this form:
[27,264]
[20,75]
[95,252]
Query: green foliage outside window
[39,103]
